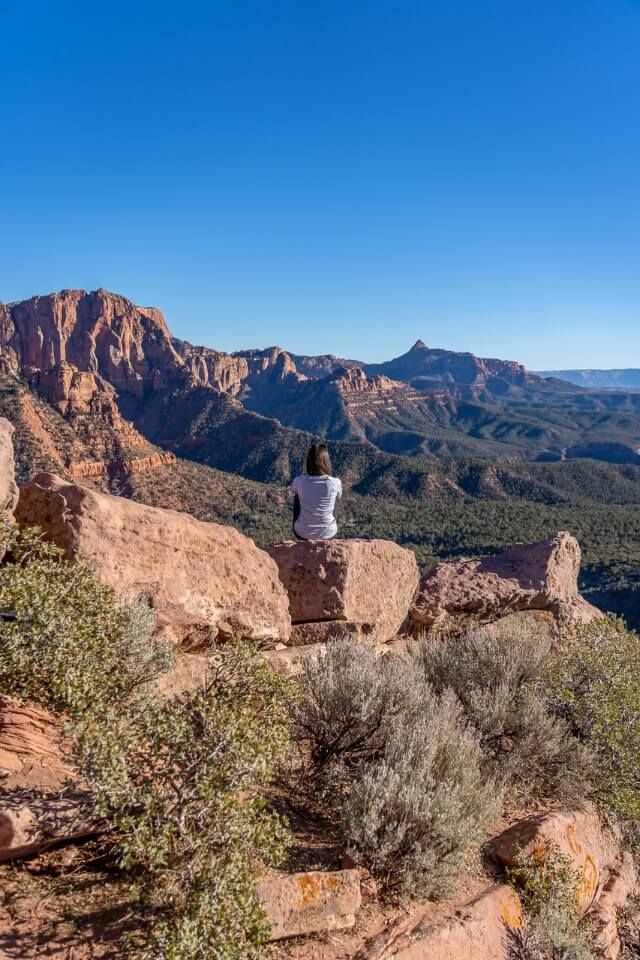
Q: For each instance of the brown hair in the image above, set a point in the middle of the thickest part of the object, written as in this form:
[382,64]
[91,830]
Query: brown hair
[318,462]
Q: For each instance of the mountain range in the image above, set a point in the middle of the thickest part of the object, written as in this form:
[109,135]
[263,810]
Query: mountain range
[119,386]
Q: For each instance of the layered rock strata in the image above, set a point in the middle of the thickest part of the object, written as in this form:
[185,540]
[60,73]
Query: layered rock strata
[40,796]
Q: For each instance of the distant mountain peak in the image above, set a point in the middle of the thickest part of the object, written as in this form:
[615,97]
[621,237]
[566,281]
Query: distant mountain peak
[418,345]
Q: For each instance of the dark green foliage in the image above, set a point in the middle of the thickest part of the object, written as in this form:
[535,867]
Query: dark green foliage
[180,782]
[66,642]
[596,687]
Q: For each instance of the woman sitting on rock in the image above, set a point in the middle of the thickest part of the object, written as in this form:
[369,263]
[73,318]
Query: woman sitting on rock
[316,494]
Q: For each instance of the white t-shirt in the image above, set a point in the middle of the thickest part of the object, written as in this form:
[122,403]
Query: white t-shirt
[318,497]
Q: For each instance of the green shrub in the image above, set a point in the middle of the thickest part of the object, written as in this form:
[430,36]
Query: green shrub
[179,782]
[498,674]
[413,815]
[596,687]
[548,887]
[412,799]
[67,642]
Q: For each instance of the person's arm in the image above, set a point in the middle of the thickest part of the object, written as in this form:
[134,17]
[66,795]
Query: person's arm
[296,499]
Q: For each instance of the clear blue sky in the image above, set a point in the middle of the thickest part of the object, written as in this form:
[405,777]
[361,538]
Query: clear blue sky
[344,176]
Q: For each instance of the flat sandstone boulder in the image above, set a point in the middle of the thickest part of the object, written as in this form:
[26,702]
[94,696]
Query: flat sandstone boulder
[528,576]
[368,582]
[312,902]
[205,581]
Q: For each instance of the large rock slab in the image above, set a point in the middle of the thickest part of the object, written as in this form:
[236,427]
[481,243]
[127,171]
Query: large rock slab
[368,582]
[8,486]
[313,902]
[40,797]
[480,930]
[205,581]
[594,851]
[528,576]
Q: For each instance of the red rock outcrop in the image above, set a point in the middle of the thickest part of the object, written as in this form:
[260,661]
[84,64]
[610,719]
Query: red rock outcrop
[607,874]
[476,930]
[37,805]
[204,580]
[529,576]
[96,468]
[8,486]
[369,583]
[100,333]
[578,834]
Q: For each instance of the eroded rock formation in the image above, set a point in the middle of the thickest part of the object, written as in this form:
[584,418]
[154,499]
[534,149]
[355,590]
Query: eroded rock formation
[8,486]
[606,872]
[204,580]
[530,576]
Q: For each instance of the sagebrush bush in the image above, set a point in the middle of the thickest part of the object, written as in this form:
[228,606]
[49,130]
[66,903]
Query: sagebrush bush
[349,698]
[67,642]
[412,798]
[499,675]
[413,815]
[596,689]
[548,887]
[180,783]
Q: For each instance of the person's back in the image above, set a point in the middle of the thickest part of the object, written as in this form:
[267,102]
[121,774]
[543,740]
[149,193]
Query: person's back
[317,493]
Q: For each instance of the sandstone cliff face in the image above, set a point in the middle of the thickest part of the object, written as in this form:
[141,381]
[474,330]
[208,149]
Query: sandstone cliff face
[73,345]
[82,350]
[100,357]
[8,487]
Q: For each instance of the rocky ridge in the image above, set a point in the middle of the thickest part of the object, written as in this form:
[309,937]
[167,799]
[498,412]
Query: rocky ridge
[104,364]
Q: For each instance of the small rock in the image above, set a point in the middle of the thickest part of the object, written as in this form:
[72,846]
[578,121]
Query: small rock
[313,902]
